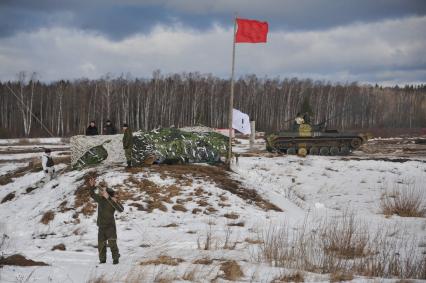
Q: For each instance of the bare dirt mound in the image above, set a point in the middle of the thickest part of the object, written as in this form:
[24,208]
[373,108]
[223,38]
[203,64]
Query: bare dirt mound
[20,260]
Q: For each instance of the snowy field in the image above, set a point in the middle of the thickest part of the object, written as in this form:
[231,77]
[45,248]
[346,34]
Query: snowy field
[198,223]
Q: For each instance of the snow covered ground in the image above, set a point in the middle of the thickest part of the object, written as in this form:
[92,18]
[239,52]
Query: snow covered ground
[193,215]
[32,141]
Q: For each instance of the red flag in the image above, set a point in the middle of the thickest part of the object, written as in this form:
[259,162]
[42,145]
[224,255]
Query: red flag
[251,31]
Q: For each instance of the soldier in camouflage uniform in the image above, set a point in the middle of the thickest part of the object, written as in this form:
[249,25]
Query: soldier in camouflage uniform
[107,233]
[128,144]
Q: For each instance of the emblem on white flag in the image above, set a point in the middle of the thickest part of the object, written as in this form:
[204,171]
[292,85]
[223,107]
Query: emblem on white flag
[241,122]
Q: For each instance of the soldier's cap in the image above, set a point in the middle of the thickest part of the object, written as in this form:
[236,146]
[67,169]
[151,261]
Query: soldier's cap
[125,125]
[108,121]
[47,150]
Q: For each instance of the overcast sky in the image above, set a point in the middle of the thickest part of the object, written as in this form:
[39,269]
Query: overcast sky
[375,41]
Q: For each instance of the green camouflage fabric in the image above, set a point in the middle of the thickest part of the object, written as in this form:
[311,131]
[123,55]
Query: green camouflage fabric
[171,145]
[93,156]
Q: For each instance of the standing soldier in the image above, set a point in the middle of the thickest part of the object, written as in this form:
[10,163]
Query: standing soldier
[297,122]
[107,233]
[109,128]
[48,165]
[128,144]
[92,130]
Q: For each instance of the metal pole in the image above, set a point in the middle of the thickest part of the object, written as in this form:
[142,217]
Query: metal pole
[231,98]
[252,134]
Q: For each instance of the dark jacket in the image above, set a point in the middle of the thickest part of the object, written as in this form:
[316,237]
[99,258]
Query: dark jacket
[127,139]
[109,130]
[92,131]
[106,209]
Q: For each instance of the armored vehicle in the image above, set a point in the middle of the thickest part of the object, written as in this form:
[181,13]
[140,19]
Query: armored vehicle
[313,139]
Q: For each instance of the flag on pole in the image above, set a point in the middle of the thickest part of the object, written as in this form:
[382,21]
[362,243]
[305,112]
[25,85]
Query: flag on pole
[251,31]
[241,122]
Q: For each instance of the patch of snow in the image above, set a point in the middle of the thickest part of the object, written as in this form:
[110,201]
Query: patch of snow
[32,140]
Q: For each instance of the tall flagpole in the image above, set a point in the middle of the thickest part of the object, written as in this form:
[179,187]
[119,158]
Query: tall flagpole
[231,97]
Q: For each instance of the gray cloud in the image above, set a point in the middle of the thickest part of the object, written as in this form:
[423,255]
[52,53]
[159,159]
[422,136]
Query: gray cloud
[389,51]
[118,19]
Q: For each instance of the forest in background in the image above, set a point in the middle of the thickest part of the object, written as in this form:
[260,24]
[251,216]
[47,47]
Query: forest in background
[65,108]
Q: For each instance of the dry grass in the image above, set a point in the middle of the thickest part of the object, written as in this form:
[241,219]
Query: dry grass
[162,277]
[60,247]
[77,231]
[155,196]
[404,201]
[232,270]
[19,260]
[210,210]
[63,206]
[292,277]
[237,224]
[231,215]
[208,241]
[340,276]
[345,237]
[163,259]
[136,275]
[342,245]
[139,274]
[204,261]
[202,203]
[179,207]
[99,279]
[228,244]
[199,192]
[47,217]
[190,274]
[253,241]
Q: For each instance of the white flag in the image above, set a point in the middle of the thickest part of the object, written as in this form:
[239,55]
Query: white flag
[241,122]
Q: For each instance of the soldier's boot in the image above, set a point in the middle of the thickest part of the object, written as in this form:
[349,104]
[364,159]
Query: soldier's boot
[102,249]
[129,164]
[114,250]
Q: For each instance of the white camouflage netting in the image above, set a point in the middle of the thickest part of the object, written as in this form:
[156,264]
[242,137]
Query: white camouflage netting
[112,143]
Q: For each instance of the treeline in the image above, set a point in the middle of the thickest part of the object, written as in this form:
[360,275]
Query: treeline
[66,107]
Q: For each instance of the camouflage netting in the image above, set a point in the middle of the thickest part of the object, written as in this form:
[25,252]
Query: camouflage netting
[91,150]
[171,145]
[93,156]
[167,145]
